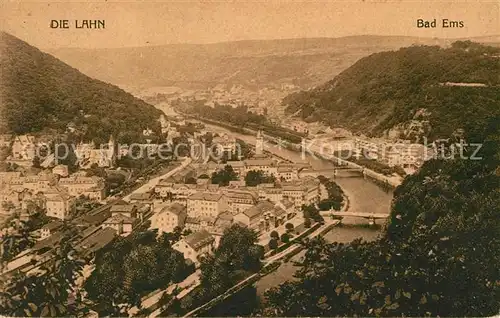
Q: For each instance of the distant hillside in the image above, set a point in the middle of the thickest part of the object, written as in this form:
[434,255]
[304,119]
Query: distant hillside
[404,92]
[39,93]
[303,62]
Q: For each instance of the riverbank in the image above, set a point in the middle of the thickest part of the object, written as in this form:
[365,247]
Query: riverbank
[381,179]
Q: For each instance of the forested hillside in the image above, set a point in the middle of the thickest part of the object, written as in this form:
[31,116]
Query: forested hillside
[39,93]
[438,256]
[407,87]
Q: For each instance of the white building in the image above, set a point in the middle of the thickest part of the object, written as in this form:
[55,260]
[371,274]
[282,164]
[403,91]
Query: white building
[196,245]
[303,191]
[23,147]
[268,166]
[60,206]
[61,170]
[93,187]
[225,143]
[262,217]
[259,144]
[169,218]
[122,224]
[240,200]
[206,204]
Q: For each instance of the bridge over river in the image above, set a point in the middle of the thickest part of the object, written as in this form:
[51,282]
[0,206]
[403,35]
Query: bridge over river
[366,199]
[364,195]
[333,172]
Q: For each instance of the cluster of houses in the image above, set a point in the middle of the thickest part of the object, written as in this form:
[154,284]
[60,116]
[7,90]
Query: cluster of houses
[409,156]
[207,209]
[23,149]
[51,191]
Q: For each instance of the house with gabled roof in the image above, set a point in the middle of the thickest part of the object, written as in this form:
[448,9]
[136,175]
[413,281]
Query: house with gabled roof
[196,245]
[169,217]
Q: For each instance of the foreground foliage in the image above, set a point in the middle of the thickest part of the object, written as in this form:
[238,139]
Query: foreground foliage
[438,257]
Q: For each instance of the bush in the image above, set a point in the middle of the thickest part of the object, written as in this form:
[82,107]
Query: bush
[273,244]
[274,235]
[307,222]
[285,238]
[289,227]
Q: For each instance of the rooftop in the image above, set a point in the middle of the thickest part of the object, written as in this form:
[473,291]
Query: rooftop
[206,196]
[175,208]
[236,164]
[287,203]
[98,240]
[240,194]
[52,225]
[199,239]
[259,162]
[122,208]
[141,196]
[120,218]
[259,209]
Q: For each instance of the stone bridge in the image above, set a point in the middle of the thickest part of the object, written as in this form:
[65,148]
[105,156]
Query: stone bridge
[371,217]
[333,172]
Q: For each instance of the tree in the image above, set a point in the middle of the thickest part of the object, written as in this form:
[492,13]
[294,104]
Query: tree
[289,227]
[238,243]
[36,162]
[15,239]
[429,260]
[274,234]
[49,292]
[84,204]
[273,244]
[190,180]
[307,222]
[236,257]
[115,180]
[203,176]
[285,237]
[131,267]
[310,211]
[223,177]
[256,177]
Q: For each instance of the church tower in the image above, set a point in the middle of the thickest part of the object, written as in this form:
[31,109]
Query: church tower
[259,144]
[111,151]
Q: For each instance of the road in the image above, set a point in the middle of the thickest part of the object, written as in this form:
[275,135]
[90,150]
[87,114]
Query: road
[191,282]
[148,186]
[267,262]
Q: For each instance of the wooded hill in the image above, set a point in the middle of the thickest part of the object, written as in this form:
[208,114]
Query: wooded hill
[392,89]
[41,94]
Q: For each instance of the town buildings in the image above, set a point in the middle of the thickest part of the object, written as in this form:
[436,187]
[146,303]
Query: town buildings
[403,153]
[240,200]
[179,192]
[122,224]
[268,166]
[304,191]
[60,206]
[264,216]
[196,245]
[225,143]
[206,204]
[92,187]
[49,229]
[169,218]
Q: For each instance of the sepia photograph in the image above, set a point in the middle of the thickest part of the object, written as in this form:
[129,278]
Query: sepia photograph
[241,158]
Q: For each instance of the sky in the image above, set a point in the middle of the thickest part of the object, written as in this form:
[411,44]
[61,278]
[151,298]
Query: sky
[134,23]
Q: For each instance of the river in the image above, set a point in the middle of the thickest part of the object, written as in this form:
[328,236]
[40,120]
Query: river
[364,196]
